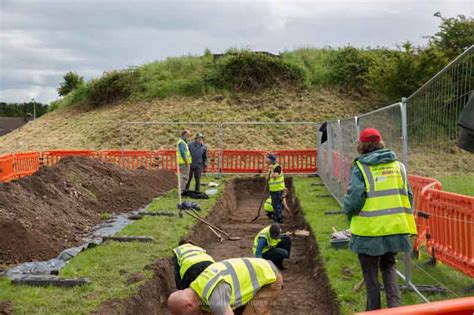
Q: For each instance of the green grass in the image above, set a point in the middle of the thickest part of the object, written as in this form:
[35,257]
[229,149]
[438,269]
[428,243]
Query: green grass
[342,266]
[463,185]
[108,265]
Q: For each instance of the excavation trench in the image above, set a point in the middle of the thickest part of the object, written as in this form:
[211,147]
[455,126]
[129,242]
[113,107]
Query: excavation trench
[306,289]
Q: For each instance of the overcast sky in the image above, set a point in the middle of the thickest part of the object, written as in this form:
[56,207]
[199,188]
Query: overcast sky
[42,40]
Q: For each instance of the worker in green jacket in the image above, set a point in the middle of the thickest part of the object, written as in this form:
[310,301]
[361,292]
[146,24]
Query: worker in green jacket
[378,204]
[276,186]
[268,207]
[189,261]
[183,158]
[271,244]
[248,285]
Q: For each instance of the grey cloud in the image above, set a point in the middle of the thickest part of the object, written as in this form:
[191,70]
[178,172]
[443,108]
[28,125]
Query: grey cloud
[41,40]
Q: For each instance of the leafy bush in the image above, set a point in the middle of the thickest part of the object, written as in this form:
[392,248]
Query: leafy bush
[348,67]
[315,63]
[455,34]
[112,86]
[174,76]
[399,73]
[247,71]
[72,81]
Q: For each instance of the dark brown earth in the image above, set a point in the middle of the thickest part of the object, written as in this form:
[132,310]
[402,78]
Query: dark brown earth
[5,308]
[306,289]
[45,213]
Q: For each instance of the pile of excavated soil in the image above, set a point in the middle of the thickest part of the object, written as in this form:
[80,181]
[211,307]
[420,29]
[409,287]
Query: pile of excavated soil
[51,210]
[305,290]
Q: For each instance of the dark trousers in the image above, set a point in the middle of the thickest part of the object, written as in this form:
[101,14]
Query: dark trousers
[370,269]
[195,171]
[277,204]
[279,252]
[190,275]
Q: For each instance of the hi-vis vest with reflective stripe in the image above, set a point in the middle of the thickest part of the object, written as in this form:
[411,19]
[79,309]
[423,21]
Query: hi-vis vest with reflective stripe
[188,255]
[265,233]
[276,184]
[244,275]
[181,161]
[387,209]
[268,205]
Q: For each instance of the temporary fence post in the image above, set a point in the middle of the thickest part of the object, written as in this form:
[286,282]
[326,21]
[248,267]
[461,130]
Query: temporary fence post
[357,128]
[318,144]
[122,145]
[221,147]
[403,112]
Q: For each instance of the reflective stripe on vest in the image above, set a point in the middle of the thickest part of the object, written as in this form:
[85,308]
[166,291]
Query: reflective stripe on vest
[181,161]
[245,276]
[271,243]
[188,255]
[387,209]
[268,205]
[278,183]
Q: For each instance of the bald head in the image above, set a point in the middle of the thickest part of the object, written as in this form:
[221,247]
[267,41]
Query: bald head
[184,302]
[186,134]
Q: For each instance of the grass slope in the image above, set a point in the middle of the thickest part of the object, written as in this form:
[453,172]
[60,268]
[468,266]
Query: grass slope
[342,266]
[108,265]
[80,127]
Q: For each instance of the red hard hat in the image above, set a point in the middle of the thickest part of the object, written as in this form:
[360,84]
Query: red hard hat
[370,135]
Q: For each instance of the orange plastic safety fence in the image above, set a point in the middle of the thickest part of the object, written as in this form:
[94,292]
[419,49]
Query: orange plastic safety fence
[26,163]
[243,161]
[129,159]
[462,306]
[297,161]
[52,157]
[419,185]
[451,229]
[6,168]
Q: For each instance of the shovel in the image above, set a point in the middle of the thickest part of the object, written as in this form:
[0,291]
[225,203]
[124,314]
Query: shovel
[196,216]
[262,200]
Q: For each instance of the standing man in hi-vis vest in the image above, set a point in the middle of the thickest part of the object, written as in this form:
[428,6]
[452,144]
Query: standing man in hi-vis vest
[251,283]
[276,186]
[183,156]
[378,204]
[189,261]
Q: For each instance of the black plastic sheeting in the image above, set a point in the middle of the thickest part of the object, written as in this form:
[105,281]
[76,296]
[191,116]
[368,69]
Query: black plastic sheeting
[52,266]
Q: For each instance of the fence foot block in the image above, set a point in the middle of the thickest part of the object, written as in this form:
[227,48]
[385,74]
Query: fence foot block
[161,213]
[141,239]
[44,281]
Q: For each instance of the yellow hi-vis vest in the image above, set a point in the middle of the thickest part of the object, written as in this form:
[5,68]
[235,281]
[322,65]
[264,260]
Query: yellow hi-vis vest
[188,255]
[246,276]
[268,205]
[271,243]
[181,161]
[276,184]
[387,209]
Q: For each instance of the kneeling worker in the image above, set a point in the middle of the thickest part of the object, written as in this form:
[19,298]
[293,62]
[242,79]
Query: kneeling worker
[189,261]
[269,207]
[272,245]
[227,285]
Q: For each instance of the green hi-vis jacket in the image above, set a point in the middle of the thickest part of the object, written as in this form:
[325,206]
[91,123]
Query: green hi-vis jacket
[379,205]
[278,183]
[188,255]
[181,161]
[245,276]
[271,243]
[268,205]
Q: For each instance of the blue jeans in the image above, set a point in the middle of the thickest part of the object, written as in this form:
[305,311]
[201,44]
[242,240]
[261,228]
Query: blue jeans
[277,204]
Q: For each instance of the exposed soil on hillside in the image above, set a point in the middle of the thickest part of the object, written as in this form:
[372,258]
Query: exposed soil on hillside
[51,210]
[306,289]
